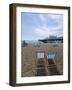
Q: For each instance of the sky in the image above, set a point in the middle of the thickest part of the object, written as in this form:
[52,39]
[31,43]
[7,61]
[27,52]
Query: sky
[35,26]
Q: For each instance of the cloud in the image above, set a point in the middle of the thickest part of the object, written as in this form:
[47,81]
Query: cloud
[57,18]
[45,29]
[46,32]
[42,18]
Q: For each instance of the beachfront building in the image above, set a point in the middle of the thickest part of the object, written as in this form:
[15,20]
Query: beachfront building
[52,40]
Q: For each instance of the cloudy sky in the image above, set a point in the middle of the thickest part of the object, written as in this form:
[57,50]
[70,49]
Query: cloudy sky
[36,26]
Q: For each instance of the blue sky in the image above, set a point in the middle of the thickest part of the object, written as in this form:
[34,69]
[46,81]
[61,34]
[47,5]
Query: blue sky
[35,26]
